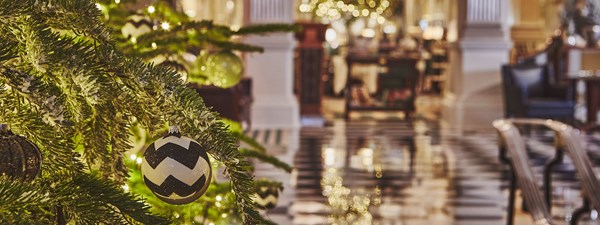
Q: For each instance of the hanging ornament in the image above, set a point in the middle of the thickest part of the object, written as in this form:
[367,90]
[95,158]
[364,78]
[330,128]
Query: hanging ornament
[198,72]
[136,25]
[266,197]
[224,69]
[176,168]
[19,157]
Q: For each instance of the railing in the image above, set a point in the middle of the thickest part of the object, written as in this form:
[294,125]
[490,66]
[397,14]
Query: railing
[512,143]
[566,140]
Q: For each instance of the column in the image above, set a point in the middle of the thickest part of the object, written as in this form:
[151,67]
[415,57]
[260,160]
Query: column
[272,73]
[475,96]
[275,105]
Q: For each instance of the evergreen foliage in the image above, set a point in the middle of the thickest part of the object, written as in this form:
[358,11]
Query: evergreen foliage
[75,93]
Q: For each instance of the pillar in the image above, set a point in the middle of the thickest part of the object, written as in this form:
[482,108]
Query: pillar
[482,46]
[275,105]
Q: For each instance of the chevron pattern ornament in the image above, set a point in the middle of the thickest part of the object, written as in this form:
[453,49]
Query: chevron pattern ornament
[136,25]
[176,169]
[266,197]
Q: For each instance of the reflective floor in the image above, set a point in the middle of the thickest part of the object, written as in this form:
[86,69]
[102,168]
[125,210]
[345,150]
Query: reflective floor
[404,172]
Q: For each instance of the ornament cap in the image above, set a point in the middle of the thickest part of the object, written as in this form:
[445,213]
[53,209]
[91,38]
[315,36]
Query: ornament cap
[174,131]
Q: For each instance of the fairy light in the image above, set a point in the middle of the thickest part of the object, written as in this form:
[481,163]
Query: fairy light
[229,5]
[138,161]
[117,1]
[133,157]
[165,26]
[125,187]
[133,40]
[365,12]
[219,198]
[151,9]
[154,46]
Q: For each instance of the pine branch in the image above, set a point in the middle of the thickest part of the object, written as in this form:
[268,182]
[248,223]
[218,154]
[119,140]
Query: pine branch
[24,203]
[266,158]
[262,29]
[101,198]
[251,142]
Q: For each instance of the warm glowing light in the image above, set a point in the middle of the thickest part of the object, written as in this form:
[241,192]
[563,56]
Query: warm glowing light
[151,9]
[380,20]
[355,13]
[165,26]
[304,7]
[365,12]
[133,157]
[98,6]
[224,215]
[350,7]
[138,161]
[133,40]
[219,198]
[117,1]
[125,187]
[229,5]
[330,35]
[368,33]
[389,29]
[190,13]
[154,46]
[372,4]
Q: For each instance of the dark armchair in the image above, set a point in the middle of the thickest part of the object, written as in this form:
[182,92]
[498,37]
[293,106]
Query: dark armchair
[529,92]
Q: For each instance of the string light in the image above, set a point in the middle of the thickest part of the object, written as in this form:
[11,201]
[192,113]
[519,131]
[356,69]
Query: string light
[154,46]
[117,1]
[151,9]
[165,26]
[331,10]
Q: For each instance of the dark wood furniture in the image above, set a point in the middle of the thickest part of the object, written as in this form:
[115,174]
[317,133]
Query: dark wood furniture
[582,64]
[397,74]
[231,103]
[310,67]
[592,94]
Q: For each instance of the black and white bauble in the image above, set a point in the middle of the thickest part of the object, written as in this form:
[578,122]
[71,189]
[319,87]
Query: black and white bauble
[136,25]
[266,197]
[176,169]
[19,157]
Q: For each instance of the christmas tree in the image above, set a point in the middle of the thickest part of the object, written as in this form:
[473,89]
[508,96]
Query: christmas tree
[74,92]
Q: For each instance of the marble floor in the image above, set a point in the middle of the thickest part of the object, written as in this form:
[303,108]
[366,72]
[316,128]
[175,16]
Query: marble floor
[387,170]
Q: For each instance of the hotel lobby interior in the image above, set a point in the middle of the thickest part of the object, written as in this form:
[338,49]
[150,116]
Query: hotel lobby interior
[366,112]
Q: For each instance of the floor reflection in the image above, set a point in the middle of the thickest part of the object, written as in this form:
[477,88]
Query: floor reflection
[410,172]
[384,173]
